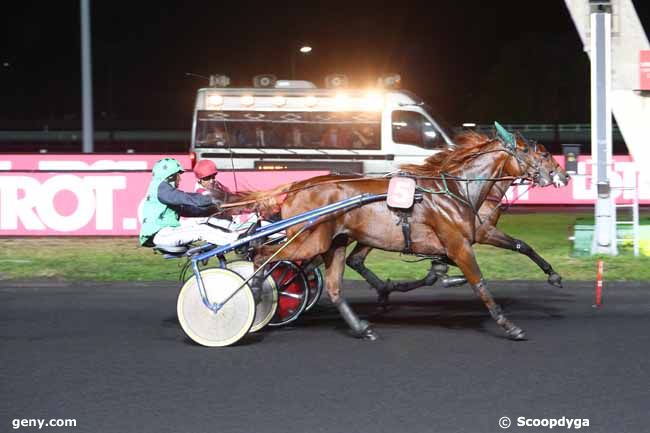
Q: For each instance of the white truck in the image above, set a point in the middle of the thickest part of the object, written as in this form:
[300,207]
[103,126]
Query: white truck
[293,125]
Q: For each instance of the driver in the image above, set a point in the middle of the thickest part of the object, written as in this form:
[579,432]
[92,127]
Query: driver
[206,177]
[165,203]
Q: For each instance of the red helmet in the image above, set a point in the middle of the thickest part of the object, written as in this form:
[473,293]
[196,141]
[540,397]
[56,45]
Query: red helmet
[205,168]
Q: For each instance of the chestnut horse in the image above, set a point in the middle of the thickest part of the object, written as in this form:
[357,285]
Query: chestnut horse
[443,224]
[486,231]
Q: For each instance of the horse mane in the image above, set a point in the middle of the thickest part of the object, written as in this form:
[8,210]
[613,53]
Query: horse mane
[451,159]
[467,144]
[268,201]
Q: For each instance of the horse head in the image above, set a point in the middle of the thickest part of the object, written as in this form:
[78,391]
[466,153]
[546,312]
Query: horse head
[524,161]
[559,176]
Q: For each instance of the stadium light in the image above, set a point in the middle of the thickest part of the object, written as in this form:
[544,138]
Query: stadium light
[303,49]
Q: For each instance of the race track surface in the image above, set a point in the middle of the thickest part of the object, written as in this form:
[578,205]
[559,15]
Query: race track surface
[113,357]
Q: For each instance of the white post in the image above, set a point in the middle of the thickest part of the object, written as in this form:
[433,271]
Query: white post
[601,128]
[86,80]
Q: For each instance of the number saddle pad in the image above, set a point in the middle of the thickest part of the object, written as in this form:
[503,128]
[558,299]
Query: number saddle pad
[401,191]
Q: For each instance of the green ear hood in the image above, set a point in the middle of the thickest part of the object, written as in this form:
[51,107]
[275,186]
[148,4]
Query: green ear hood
[507,138]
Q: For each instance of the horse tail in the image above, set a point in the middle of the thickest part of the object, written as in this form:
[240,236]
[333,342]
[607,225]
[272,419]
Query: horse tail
[267,202]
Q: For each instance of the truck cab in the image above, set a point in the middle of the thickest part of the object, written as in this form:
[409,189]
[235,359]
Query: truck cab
[285,125]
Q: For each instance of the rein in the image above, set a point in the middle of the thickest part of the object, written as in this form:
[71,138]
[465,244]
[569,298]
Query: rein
[325,182]
[466,200]
[442,176]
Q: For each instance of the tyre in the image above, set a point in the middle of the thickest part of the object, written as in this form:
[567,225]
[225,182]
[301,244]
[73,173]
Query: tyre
[230,323]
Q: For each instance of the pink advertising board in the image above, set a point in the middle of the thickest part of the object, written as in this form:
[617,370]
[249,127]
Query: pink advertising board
[81,195]
[644,70]
[78,195]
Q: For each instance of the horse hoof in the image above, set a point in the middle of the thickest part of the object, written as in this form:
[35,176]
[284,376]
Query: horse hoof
[516,333]
[369,335]
[555,280]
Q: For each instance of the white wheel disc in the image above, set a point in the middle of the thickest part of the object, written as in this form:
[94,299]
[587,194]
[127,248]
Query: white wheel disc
[268,303]
[230,323]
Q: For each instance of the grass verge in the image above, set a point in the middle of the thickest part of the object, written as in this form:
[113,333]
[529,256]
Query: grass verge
[121,259]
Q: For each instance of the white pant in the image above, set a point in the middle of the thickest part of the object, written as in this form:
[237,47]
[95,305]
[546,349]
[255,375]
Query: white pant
[184,235]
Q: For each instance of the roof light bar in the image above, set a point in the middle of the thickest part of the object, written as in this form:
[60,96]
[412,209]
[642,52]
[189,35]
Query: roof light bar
[217,80]
[247,100]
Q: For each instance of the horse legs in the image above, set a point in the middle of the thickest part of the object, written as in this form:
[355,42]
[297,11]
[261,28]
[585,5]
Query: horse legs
[383,288]
[497,238]
[356,261]
[463,255]
[334,268]
[308,245]
[438,269]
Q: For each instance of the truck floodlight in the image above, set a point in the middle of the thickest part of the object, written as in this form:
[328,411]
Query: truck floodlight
[311,101]
[247,100]
[264,81]
[373,101]
[219,81]
[390,81]
[342,101]
[214,101]
[279,100]
[335,81]
[294,84]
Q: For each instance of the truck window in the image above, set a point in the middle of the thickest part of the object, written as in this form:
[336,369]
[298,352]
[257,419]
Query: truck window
[306,130]
[410,127]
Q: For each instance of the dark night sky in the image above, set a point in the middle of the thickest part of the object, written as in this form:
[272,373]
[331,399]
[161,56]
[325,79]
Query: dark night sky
[461,56]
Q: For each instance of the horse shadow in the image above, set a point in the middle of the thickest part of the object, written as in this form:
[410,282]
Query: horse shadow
[455,314]
[447,313]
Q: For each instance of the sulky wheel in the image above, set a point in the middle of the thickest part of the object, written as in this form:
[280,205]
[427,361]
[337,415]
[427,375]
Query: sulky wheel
[315,281]
[187,272]
[293,292]
[226,326]
[268,303]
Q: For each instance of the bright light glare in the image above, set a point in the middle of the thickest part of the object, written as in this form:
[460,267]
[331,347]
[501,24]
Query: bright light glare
[279,101]
[311,101]
[469,125]
[305,49]
[373,101]
[215,101]
[247,100]
[342,101]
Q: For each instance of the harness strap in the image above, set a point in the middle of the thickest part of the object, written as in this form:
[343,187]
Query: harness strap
[406,224]
[406,232]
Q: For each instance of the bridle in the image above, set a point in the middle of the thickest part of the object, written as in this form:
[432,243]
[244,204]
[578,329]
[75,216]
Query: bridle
[509,142]
[516,153]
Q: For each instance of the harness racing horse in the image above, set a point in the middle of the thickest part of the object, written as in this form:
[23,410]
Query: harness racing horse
[486,231]
[443,224]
